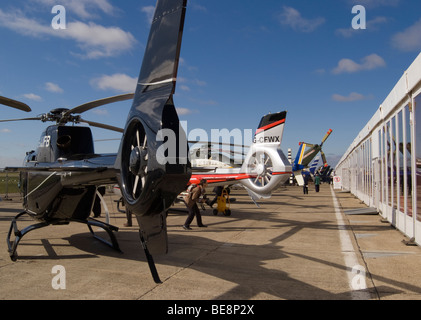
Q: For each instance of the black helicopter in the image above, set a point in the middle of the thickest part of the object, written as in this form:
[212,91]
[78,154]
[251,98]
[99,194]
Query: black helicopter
[59,180]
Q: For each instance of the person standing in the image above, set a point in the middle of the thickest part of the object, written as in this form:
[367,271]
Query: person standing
[317,182]
[305,186]
[195,195]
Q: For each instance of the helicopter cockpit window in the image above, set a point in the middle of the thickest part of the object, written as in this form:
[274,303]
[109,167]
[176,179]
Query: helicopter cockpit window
[74,141]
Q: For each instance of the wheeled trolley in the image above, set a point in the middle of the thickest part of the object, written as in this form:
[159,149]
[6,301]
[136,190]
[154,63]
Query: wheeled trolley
[223,202]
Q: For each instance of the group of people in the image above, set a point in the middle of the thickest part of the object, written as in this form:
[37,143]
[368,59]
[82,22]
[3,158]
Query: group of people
[195,195]
[316,183]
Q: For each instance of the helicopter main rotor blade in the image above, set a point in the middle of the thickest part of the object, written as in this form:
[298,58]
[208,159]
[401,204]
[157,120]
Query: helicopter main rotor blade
[103,126]
[14,104]
[97,103]
[23,119]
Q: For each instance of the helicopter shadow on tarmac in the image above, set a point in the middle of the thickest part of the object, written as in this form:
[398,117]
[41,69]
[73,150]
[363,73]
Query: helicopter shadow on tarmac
[255,270]
[279,264]
[215,259]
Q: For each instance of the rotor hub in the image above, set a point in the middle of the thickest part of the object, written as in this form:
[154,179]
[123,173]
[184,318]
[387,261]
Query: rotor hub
[134,162]
[260,169]
[138,161]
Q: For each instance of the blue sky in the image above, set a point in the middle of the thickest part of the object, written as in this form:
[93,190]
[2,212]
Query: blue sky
[240,59]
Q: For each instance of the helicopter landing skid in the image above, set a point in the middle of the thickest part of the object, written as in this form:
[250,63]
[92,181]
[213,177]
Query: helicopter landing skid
[105,226]
[19,234]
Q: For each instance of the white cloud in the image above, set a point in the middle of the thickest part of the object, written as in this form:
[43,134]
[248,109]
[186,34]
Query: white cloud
[346,32]
[198,7]
[82,8]
[195,82]
[199,83]
[410,39]
[354,96]
[17,22]
[149,11]
[98,41]
[5,130]
[52,87]
[372,25]
[369,62]
[293,18]
[118,82]
[376,22]
[100,112]
[347,65]
[95,40]
[183,111]
[376,3]
[32,96]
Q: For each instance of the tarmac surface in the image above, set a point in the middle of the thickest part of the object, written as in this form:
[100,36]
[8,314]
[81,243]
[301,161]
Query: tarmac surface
[294,247]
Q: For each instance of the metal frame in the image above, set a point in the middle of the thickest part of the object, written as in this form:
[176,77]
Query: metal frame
[19,234]
[390,206]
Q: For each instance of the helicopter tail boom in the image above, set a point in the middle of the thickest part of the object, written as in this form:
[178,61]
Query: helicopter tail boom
[149,186]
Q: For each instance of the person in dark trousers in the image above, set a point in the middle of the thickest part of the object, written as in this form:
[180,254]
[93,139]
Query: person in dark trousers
[305,186]
[317,182]
[195,195]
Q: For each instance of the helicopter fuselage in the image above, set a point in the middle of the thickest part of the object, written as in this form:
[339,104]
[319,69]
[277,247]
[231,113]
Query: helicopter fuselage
[61,177]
